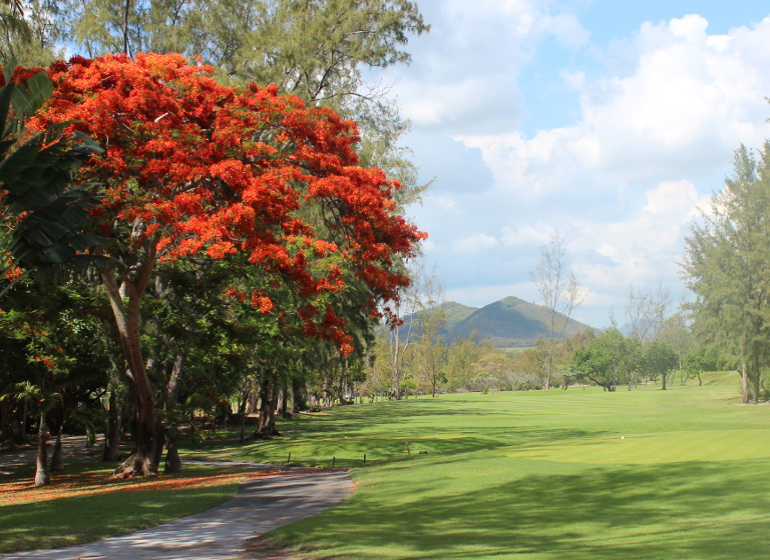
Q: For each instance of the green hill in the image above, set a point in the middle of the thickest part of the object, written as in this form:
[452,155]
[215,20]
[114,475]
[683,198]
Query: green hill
[456,312]
[510,322]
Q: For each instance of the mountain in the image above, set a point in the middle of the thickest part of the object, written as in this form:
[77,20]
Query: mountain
[509,322]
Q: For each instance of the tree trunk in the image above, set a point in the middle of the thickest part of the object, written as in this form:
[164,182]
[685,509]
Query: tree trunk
[744,384]
[41,464]
[755,373]
[298,396]
[57,460]
[310,396]
[549,363]
[285,402]
[173,461]
[343,363]
[112,436]
[268,399]
[242,416]
[144,459]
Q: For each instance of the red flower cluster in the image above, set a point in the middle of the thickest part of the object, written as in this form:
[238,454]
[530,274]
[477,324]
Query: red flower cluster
[218,170]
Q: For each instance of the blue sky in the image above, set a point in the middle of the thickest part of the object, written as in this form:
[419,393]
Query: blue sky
[609,122]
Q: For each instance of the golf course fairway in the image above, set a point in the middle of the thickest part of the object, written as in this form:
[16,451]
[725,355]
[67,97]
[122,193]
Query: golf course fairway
[577,474]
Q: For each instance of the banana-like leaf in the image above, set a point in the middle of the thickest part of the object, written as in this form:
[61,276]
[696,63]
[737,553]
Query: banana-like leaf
[5,104]
[28,99]
[36,180]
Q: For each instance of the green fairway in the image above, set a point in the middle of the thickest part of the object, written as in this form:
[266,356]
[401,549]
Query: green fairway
[578,474]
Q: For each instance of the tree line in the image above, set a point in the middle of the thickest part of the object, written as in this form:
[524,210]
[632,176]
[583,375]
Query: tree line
[180,239]
[659,347]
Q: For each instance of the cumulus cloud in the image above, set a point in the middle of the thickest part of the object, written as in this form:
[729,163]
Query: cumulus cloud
[470,84]
[649,241]
[653,133]
[529,235]
[692,99]
[475,243]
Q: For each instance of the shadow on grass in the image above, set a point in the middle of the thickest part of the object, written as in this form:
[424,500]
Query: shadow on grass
[681,510]
[318,449]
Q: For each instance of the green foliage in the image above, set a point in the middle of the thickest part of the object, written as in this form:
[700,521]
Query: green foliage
[30,31]
[311,49]
[461,356]
[609,360]
[34,178]
[42,342]
[727,262]
[658,359]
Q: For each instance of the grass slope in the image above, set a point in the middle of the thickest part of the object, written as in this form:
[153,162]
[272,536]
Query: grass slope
[539,475]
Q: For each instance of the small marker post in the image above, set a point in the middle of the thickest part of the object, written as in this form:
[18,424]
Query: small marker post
[289,459]
[364,458]
[407,448]
[333,460]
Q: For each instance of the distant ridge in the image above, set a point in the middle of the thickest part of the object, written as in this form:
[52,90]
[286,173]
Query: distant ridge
[510,322]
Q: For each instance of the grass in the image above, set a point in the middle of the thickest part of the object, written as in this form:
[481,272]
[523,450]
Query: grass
[83,504]
[578,474]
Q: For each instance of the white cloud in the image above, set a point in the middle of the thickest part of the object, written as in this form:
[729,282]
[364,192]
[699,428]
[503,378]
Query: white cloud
[648,241]
[653,132]
[474,243]
[532,236]
[674,197]
[445,202]
[691,101]
[469,85]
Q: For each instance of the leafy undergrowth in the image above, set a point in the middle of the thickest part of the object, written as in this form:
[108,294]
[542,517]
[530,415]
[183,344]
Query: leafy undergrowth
[84,504]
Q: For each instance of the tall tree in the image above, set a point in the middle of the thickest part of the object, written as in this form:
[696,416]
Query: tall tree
[647,310]
[30,32]
[727,263]
[313,49]
[197,168]
[560,291]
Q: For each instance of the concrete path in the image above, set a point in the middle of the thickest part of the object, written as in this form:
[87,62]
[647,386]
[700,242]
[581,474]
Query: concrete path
[220,533]
[73,448]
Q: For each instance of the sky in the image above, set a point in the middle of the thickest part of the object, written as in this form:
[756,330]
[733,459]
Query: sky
[608,122]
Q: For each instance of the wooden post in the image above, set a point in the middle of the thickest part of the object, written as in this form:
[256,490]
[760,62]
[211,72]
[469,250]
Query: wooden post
[289,459]
[333,460]
[407,449]
[364,458]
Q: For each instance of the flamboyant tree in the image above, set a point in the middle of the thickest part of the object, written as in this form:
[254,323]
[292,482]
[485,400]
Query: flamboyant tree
[192,168]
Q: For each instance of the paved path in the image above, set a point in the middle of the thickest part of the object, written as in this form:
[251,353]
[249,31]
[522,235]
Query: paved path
[73,447]
[220,533]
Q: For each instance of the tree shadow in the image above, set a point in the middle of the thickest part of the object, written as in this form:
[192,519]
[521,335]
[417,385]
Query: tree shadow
[680,510]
